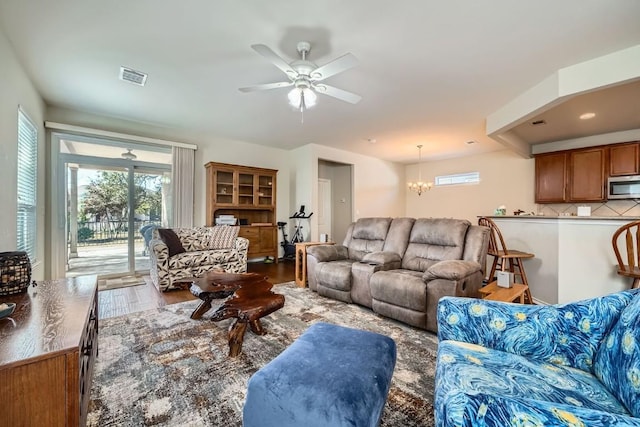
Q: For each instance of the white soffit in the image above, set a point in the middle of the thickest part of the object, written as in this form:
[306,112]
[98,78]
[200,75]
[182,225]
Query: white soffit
[606,71]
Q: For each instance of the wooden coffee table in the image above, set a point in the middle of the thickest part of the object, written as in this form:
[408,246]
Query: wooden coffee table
[250,299]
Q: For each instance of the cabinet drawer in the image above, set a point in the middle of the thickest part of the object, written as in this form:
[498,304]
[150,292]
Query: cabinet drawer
[249,232]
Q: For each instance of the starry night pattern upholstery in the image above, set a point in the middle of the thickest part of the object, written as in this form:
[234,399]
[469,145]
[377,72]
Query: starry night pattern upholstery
[502,364]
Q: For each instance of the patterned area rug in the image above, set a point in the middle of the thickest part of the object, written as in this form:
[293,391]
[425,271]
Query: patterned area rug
[159,367]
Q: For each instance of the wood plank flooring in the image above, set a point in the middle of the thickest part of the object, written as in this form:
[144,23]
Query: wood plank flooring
[117,302]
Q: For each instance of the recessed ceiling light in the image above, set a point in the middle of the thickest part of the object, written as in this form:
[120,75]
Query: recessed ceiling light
[587,116]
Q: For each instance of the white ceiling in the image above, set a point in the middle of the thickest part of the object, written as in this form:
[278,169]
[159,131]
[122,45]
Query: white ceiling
[429,72]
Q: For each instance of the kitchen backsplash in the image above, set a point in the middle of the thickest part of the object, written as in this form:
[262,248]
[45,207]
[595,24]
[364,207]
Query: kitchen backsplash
[612,208]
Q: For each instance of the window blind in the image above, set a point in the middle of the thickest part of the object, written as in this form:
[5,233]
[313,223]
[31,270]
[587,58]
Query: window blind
[27,185]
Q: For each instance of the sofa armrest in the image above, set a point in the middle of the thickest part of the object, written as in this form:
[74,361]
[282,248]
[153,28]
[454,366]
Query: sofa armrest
[386,260]
[451,270]
[158,250]
[324,253]
[567,334]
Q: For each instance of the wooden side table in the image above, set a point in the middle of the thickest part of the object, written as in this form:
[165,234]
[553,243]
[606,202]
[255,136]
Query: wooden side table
[301,261]
[495,293]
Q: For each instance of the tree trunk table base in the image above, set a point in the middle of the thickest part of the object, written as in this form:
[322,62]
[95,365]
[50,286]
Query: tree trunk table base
[251,299]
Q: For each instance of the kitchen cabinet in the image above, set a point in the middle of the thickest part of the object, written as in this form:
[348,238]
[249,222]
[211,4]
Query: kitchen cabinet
[249,194]
[573,176]
[551,178]
[624,159]
[587,175]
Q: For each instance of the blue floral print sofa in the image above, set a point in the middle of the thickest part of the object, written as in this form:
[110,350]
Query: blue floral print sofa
[502,364]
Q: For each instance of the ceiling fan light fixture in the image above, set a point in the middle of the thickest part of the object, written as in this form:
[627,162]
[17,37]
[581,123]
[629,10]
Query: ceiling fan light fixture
[129,155]
[302,98]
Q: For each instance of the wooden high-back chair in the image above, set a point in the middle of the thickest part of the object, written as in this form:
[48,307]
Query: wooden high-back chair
[629,248]
[506,259]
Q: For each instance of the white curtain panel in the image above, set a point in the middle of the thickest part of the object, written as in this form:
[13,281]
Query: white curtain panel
[182,173]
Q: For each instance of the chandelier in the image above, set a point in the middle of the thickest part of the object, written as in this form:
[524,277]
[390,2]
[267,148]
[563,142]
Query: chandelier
[420,186]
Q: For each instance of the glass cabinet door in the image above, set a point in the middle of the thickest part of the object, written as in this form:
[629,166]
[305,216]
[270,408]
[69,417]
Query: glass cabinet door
[245,189]
[265,190]
[224,187]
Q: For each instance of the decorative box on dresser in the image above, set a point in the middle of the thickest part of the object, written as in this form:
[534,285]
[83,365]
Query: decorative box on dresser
[47,350]
[249,194]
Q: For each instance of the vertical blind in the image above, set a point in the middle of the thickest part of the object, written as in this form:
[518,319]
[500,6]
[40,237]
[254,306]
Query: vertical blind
[27,185]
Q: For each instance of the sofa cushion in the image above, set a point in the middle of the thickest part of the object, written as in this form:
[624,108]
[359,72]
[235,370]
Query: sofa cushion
[223,236]
[617,362]
[335,274]
[468,371]
[194,238]
[404,288]
[202,258]
[368,236]
[434,239]
[170,238]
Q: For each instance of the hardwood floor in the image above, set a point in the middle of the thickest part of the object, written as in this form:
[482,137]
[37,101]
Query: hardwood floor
[117,302]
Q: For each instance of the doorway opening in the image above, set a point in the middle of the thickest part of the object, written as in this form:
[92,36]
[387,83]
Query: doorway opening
[335,199]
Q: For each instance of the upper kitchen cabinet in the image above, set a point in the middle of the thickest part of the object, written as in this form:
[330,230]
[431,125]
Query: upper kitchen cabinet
[551,177]
[587,175]
[571,176]
[624,159]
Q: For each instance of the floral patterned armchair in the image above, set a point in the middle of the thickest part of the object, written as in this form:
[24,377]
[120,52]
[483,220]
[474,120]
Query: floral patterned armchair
[502,364]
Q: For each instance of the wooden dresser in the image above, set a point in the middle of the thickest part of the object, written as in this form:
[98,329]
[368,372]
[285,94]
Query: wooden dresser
[47,350]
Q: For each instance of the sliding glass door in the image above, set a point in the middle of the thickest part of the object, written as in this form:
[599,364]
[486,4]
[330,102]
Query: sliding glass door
[108,203]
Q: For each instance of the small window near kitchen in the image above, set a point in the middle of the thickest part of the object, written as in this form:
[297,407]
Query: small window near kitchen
[27,189]
[458,178]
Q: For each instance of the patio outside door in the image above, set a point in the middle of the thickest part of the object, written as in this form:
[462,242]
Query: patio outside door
[107,205]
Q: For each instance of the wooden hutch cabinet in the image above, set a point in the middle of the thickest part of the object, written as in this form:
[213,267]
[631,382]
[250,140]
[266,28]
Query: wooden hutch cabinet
[249,194]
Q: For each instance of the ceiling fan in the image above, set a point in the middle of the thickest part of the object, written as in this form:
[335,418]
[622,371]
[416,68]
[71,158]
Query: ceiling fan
[129,155]
[305,76]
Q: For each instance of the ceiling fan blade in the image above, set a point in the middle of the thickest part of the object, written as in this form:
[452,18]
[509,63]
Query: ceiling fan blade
[336,66]
[274,58]
[343,95]
[266,86]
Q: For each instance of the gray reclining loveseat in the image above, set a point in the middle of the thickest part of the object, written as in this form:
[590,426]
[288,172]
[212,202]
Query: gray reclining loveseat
[400,267]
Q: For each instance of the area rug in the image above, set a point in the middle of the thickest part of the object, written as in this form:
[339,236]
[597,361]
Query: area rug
[160,368]
[120,282]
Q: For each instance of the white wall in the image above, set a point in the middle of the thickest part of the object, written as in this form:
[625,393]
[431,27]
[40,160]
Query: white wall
[378,185]
[505,179]
[16,89]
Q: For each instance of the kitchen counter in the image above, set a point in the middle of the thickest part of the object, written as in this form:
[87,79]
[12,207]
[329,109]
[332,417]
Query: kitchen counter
[574,258]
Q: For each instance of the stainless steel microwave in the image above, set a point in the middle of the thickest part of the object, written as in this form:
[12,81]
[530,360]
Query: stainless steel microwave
[624,187]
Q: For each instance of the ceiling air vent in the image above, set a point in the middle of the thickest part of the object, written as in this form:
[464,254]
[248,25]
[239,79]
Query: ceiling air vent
[130,75]
[538,122]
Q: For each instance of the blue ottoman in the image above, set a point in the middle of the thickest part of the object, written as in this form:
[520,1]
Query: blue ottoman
[330,376]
